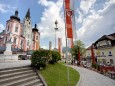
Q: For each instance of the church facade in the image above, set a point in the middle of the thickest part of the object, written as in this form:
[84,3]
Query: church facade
[21,33]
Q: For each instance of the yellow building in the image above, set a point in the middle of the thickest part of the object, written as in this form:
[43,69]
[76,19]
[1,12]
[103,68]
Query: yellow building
[104,49]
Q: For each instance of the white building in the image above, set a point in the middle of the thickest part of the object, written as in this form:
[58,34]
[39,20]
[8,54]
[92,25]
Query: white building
[104,50]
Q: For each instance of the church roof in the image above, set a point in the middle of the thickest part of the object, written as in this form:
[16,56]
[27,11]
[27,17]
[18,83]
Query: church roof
[28,14]
[106,37]
[15,16]
[35,28]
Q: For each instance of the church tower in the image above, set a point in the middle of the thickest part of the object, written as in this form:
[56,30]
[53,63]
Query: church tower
[13,31]
[36,38]
[27,31]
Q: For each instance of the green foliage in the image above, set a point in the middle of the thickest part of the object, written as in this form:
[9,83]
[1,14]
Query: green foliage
[77,45]
[95,66]
[74,52]
[55,56]
[42,57]
[39,58]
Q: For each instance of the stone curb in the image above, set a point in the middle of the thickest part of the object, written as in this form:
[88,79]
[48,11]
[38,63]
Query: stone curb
[41,77]
[79,82]
[80,79]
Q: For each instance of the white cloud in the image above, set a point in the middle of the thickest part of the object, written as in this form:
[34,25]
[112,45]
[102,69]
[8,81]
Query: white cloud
[85,5]
[51,13]
[44,47]
[1,27]
[80,18]
[95,23]
[4,8]
[98,24]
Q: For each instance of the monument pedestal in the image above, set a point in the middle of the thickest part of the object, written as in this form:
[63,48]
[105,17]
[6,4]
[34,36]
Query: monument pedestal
[7,53]
[8,49]
[8,56]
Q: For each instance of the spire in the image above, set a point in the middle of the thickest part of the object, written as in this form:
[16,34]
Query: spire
[28,13]
[15,16]
[35,26]
[16,13]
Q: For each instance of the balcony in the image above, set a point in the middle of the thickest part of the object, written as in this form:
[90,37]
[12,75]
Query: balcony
[100,55]
[104,46]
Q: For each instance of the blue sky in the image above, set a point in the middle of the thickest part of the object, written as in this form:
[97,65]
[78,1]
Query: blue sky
[94,18]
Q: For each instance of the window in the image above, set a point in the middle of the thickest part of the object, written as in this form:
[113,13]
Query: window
[16,29]
[10,39]
[104,61]
[6,38]
[110,54]
[111,61]
[8,27]
[33,37]
[107,42]
[14,40]
[28,43]
[98,53]
[21,42]
[88,54]
[36,37]
[102,53]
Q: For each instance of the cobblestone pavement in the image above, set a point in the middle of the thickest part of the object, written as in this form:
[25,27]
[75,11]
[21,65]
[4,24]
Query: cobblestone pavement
[12,64]
[91,78]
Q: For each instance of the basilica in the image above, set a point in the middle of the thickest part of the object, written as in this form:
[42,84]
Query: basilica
[20,33]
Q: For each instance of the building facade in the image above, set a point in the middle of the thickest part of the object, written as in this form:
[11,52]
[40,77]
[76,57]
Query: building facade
[21,34]
[104,50]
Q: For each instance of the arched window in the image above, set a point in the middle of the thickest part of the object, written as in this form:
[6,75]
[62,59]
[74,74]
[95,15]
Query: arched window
[8,28]
[15,40]
[6,38]
[16,28]
[36,37]
[21,42]
[28,43]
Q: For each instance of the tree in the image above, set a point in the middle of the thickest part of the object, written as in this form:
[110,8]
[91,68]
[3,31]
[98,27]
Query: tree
[77,45]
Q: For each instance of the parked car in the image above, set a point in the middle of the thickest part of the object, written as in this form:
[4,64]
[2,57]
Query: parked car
[23,57]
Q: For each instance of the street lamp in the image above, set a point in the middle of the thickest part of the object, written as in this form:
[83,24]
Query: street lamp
[56,22]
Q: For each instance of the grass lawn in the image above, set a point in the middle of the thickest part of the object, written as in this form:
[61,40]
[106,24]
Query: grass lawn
[56,75]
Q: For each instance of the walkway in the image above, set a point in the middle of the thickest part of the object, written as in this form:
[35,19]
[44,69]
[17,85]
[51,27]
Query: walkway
[91,78]
[19,63]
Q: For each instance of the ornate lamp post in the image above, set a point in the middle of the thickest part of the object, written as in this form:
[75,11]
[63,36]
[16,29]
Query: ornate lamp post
[56,22]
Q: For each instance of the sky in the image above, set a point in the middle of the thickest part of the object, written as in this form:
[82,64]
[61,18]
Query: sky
[94,18]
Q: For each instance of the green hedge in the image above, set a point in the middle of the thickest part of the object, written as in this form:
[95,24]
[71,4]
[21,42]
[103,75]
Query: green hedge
[55,56]
[42,57]
[39,58]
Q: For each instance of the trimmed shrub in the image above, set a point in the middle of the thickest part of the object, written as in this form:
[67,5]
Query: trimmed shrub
[40,58]
[55,56]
